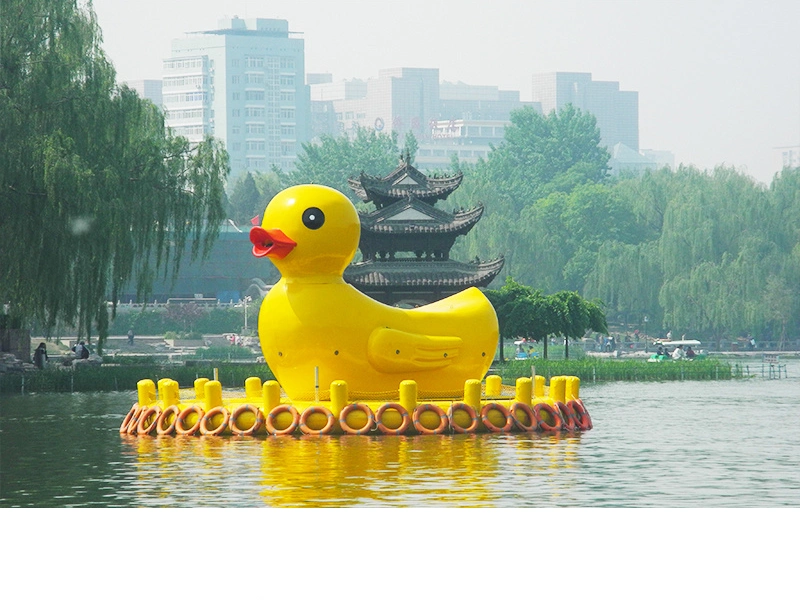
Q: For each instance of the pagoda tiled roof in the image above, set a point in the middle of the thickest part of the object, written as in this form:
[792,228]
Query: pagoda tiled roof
[405,180]
[372,275]
[416,217]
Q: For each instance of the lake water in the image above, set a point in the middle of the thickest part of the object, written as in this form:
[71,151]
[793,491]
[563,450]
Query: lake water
[675,444]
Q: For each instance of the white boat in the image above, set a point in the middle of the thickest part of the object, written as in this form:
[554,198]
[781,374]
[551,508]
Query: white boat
[670,345]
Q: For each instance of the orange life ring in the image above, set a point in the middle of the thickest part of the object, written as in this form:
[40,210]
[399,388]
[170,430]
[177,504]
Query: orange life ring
[491,426]
[421,408]
[129,417]
[582,418]
[270,421]
[534,423]
[206,421]
[148,419]
[134,423]
[180,422]
[472,427]
[404,425]
[553,412]
[567,417]
[163,427]
[350,408]
[238,412]
[317,409]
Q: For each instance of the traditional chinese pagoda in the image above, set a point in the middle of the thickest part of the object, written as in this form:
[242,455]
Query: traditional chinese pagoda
[405,243]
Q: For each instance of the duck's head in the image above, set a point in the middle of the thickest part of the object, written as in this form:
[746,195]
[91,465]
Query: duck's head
[308,230]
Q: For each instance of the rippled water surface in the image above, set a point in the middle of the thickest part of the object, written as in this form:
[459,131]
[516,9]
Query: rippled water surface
[676,444]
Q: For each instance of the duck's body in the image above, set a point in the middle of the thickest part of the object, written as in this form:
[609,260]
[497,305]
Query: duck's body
[313,319]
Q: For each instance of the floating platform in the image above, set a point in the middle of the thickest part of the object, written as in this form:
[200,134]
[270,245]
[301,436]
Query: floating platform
[482,407]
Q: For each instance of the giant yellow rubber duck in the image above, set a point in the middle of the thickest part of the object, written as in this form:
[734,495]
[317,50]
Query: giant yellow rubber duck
[313,319]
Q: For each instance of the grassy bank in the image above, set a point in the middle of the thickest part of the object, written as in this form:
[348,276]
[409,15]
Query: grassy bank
[123,377]
[110,378]
[592,370]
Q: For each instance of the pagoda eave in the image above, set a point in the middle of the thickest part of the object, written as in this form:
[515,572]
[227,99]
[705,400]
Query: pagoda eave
[408,274]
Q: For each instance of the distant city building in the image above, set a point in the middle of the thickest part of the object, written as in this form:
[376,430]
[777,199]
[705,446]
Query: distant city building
[624,160]
[243,83]
[617,112]
[147,88]
[446,118]
[662,158]
[402,99]
[789,157]
[467,140]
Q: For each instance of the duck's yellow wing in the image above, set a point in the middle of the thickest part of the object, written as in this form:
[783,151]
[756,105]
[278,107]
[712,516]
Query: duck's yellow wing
[394,351]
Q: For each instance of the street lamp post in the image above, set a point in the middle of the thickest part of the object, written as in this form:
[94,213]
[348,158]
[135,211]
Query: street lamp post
[246,300]
[645,333]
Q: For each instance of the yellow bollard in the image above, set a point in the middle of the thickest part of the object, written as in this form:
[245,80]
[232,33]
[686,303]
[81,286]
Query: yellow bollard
[573,387]
[408,395]
[524,390]
[271,395]
[339,397]
[494,385]
[472,394]
[538,386]
[160,385]
[212,395]
[558,386]
[252,388]
[200,388]
[146,391]
[170,393]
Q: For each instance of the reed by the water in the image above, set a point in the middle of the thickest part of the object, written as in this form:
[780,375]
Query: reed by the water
[592,370]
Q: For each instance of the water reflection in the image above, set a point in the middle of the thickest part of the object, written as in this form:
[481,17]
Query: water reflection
[457,471]
[721,444]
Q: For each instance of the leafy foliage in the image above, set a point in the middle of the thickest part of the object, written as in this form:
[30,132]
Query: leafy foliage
[250,195]
[92,186]
[333,160]
[525,312]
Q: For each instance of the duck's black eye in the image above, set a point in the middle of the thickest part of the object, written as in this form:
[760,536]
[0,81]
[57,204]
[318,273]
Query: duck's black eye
[313,218]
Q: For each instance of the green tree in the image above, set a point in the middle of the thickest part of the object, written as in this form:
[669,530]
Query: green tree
[333,160]
[244,200]
[543,154]
[525,312]
[571,318]
[780,304]
[268,185]
[506,301]
[540,157]
[410,146]
[94,192]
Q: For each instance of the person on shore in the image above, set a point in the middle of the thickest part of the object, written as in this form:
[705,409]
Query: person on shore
[130,337]
[80,350]
[40,356]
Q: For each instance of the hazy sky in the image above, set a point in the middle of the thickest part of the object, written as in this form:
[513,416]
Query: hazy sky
[718,81]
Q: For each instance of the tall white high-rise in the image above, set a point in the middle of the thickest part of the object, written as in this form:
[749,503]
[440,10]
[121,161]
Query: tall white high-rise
[243,83]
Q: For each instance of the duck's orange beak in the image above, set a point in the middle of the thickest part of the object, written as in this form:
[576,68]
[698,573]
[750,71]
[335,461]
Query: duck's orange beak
[271,242]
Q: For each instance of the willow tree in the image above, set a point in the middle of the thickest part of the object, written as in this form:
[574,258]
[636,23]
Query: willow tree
[94,191]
